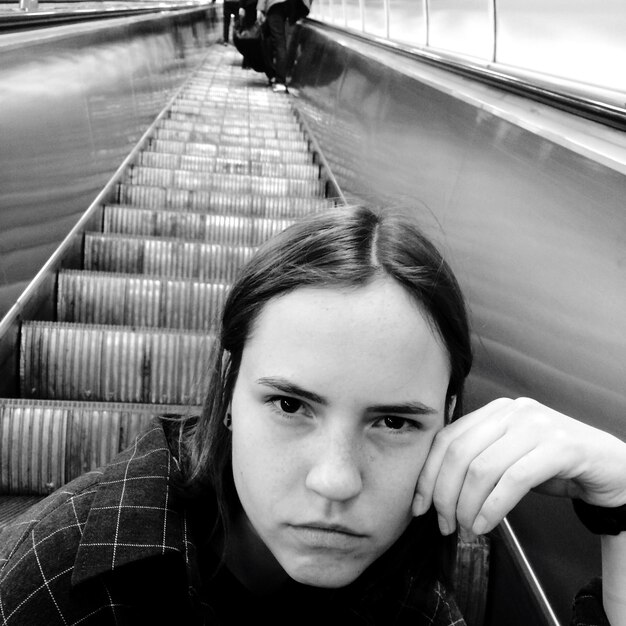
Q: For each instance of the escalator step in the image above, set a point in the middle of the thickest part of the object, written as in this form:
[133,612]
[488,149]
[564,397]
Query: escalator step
[12,507]
[164,257]
[209,111]
[208,104]
[231,230]
[230,95]
[235,124]
[219,131]
[238,102]
[45,444]
[62,361]
[233,183]
[251,121]
[250,142]
[199,200]
[262,155]
[220,165]
[220,88]
[139,301]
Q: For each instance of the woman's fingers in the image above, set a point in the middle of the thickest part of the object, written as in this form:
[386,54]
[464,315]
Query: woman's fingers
[451,437]
[484,474]
[471,465]
[531,470]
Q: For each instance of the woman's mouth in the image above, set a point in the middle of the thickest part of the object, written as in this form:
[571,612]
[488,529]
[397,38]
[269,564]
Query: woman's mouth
[325,536]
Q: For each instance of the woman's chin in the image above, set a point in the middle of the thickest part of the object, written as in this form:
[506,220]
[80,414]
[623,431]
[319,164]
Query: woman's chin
[326,577]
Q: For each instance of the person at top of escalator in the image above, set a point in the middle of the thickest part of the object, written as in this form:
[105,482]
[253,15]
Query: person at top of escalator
[332,466]
[277,16]
[230,16]
[248,13]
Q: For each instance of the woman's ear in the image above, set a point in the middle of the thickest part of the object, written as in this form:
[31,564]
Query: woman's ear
[228,419]
[229,416]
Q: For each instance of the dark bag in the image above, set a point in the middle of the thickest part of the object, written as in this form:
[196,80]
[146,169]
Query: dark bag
[249,43]
[254,32]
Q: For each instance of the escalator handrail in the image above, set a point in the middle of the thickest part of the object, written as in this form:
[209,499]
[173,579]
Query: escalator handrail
[42,19]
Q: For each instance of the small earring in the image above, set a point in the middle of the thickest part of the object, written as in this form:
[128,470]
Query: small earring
[228,420]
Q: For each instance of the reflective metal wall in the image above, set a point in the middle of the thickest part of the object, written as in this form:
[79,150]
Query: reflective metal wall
[73,102]
[579,40]
[527,203]
[558,42]
[465,27]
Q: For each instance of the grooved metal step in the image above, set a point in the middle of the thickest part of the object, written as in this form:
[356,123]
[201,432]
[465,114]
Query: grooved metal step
[197,135]
[230,230]
[235,115]
[220,165]
[264,155]
[233,183]
[165,256]
[188,107]
[222,129]
[139,301]
[62,361]
[66,439]
[232,100]
[147,196]
[12,506]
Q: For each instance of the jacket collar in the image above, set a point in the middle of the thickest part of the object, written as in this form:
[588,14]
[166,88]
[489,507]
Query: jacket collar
[135,514]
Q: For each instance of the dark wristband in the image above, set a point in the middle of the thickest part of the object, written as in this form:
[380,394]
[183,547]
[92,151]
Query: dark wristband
[601,520]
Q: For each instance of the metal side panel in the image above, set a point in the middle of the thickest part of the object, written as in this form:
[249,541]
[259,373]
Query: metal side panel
[527,203]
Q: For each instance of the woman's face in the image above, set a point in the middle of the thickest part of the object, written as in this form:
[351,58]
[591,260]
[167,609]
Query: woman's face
[338,398]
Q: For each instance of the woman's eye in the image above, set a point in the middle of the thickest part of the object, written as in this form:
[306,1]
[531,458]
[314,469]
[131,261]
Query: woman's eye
[289,405]
[284,405]
[393,422]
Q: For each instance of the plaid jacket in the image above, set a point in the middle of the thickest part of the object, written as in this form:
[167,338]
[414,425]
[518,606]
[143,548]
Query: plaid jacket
[115,547]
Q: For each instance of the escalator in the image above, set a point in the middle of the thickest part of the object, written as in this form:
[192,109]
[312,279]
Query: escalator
[226,166]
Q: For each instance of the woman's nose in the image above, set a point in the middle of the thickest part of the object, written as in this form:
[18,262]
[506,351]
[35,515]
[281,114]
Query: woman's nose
[335,473]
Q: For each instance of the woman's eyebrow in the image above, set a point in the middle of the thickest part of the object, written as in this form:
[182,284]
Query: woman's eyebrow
[286,386]
[402,408]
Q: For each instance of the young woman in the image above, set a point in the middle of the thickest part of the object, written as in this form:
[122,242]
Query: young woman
[332,464]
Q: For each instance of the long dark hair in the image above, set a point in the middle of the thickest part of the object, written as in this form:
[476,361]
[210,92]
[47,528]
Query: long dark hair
[344,247]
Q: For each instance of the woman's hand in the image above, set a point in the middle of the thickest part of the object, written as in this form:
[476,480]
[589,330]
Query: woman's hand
[482,465]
